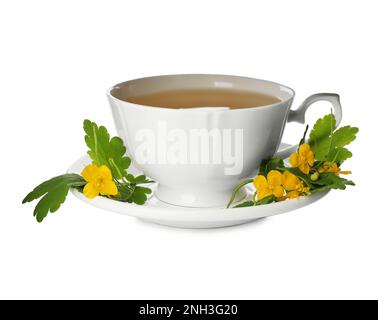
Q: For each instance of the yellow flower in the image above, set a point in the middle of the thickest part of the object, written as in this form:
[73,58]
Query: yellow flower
[99,180]
[332,167]
[293,194]
[290,181]
[293,185]
[303,159]
[271,185]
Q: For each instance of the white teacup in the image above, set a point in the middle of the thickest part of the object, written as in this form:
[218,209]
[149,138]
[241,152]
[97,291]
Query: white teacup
[199,155]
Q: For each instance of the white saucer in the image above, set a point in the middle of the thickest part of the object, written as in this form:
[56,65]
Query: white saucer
[160,212]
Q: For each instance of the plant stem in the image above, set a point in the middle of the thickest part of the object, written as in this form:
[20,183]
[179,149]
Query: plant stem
[112,163]
[304,136]
[238,187]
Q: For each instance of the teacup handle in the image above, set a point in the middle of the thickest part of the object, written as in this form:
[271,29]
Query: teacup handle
[298,115]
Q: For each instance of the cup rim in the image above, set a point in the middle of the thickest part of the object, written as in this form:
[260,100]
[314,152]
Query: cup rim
[131,104]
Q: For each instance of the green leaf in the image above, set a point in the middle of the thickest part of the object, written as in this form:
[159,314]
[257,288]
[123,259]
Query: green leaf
[106,151]
[340,138]
[53,193]
[343,136]
[318,164]
[320,136]
[270,164]
[327,144]
[333,181]
[138,180]
[251,203]
[139,196]
[125,191]
[245,204]
[71,179]
[266,200]
[339,155]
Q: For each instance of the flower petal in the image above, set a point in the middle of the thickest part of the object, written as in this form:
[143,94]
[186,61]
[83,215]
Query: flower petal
[334,167]
[108,188]
[306,154]
[260,182]
[304,167]
[293,194]
[304,150]
[105,173]
[294,160]
[91,190]
[281,199]
[290,181]
[278,191]
[326,166]
[310,158]
[274,178]
[263,193]
[90,173]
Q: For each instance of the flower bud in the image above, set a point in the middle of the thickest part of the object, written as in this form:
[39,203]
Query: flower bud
[314,176]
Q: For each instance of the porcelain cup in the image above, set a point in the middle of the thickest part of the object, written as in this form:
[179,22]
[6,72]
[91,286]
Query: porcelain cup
[198,155]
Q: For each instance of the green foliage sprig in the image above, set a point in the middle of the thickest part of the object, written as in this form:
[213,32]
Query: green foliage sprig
[315,167]
[106,176]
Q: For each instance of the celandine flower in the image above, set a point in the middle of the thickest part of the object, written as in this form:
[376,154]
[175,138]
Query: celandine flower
[332,167]
[293,185]
[303,159]
[271,185]
[99,180]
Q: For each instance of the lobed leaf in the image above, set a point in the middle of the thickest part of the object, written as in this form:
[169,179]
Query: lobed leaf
[339,155]
[53,193]
[106,151]
[138,180]
[51,201]
[320,136]
[333,181]
[343,136]
[124,192]
[71,179]
[270,164]
[139,196]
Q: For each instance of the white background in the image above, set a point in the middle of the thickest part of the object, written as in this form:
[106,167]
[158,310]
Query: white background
[57,60]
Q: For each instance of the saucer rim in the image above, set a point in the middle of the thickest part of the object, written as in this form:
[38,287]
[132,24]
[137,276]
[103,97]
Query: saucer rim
[170,213]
